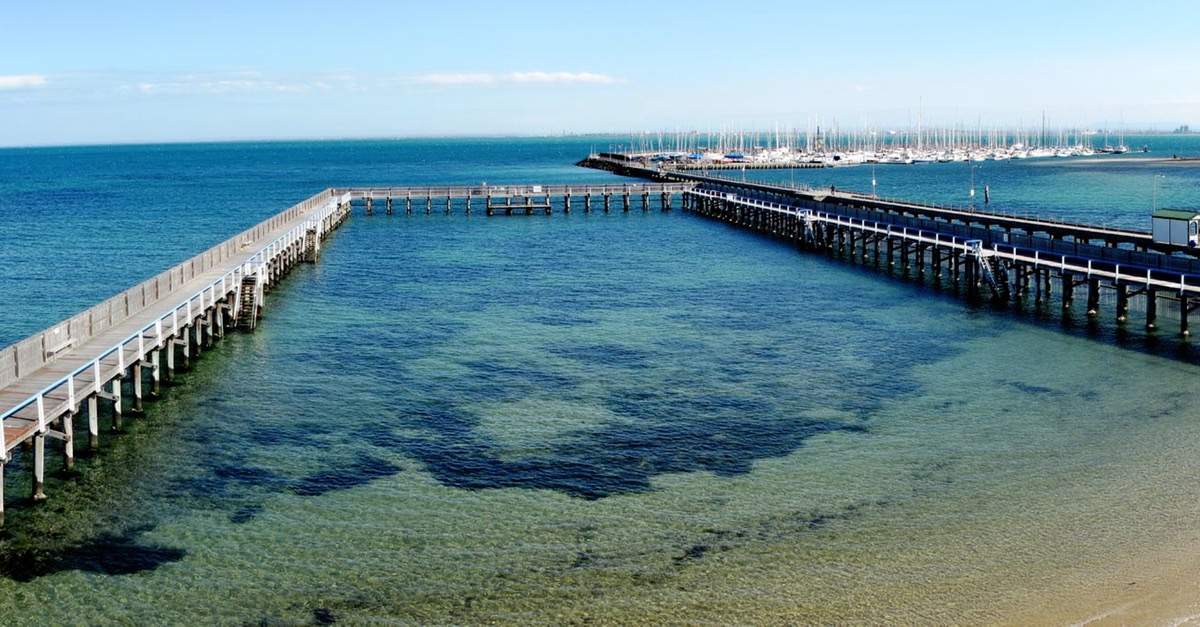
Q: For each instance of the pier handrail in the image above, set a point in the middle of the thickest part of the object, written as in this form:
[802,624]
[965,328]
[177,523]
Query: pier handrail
[327,203]
[1135,273]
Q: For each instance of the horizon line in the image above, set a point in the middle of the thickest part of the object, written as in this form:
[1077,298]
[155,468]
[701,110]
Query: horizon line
[502,135]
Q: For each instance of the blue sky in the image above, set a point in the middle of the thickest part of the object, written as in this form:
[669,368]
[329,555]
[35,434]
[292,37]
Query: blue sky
[75,72]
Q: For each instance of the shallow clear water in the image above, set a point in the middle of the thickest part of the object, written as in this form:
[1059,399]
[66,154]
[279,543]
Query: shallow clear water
[457,420]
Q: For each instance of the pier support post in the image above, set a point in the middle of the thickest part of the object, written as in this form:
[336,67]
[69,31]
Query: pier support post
[625,202]
[39,467]
[449,207]
[408,205]
[937,263]
[1122,302]
[587,202]
[428,204]
[567,203]
[969,265]
[891,252]
[389,205]
[467,205]
[1183,315]
[117,413]
[68,430]
[607,202]
[93,422]
[1151,308]
[155,373]
[370,206]
[1068,291]
[137,387]
[1093,297]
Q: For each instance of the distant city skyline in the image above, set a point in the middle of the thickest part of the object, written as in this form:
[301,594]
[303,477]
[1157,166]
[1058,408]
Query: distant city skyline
[125,71]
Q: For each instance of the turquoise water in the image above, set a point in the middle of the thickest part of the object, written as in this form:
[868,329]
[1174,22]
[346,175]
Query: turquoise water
[586,417]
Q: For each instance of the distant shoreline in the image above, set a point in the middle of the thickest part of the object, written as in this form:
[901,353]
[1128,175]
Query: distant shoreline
[1181,161]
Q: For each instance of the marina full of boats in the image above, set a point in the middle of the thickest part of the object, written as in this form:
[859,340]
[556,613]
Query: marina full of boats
[723,149]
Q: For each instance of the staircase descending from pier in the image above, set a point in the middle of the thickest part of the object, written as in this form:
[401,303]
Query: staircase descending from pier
[996,276]
[247,311]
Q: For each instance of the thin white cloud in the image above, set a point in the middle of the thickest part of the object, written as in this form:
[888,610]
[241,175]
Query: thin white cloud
[562,77]
[21,81]
[484,78]
[239,82]
[456,79]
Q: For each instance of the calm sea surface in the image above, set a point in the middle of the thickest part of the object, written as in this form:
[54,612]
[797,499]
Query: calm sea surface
[590,417]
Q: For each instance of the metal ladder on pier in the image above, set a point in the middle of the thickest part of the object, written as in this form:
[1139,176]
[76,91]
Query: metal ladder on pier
[992,270]
[247,306]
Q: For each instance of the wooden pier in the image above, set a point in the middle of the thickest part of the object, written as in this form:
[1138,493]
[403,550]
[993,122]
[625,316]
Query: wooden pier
[750,165]
[1014,259]
[111,353]
[517,199]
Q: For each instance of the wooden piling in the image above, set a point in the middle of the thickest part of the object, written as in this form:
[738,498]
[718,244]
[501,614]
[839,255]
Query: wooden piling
[155,373]
[116,404]
[1151,309]
[137,387]
[68,431]
[93,422]
[1183,315]
[1068,291]
[39,467]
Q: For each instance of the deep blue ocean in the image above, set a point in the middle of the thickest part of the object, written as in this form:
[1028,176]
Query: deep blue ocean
[607,418]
